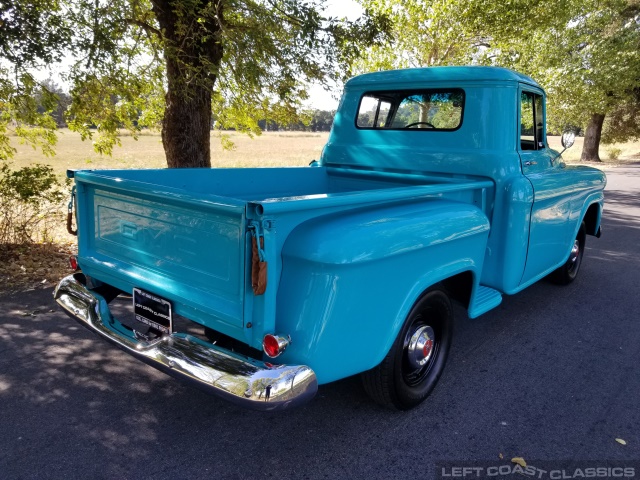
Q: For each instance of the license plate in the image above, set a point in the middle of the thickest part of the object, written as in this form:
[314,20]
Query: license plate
[153,311]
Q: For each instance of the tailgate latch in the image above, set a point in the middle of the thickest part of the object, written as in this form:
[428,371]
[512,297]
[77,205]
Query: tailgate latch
[258,260]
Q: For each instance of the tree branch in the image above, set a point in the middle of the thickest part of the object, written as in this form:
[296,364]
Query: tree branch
[148,28]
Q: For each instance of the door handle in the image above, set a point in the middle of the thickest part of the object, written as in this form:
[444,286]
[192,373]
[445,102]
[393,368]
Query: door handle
[528,164]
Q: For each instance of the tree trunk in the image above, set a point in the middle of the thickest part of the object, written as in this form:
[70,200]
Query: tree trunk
[592,139]
[193,52]
[186,126]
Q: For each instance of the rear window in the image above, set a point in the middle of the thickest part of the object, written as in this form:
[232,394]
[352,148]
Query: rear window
[409,110]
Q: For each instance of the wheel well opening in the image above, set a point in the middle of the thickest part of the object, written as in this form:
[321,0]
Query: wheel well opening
[459,287]
[591,219]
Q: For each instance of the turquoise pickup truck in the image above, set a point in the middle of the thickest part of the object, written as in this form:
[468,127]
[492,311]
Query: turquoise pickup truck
[436,185]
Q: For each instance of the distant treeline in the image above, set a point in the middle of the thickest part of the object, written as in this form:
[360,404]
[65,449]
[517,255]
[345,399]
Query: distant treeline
[321,121]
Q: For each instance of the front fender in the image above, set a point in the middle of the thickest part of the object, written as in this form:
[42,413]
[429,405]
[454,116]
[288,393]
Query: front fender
[594,223]
[349,280]
[588,189]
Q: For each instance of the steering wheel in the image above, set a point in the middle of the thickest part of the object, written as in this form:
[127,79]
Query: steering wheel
[419,123]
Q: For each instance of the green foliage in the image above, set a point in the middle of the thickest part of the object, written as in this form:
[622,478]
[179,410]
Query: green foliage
[614,152]
[272,51]
[20,116]
[321,120]
[30,201]
[33,31]
[623,123]
[117,76]
[61,101]
[102,105]
[254,58]
[585,53]
[424,34]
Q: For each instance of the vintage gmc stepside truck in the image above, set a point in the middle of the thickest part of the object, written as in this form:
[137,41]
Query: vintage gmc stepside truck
[436,184]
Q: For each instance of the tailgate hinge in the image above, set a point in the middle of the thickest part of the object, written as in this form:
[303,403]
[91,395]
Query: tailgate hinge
[258,260]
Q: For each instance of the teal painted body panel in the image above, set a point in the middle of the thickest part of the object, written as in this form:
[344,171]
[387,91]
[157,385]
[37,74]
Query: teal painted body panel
[192,255]
[348,281]
[352,243]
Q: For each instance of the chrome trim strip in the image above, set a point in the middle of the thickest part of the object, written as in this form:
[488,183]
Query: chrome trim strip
[242,380]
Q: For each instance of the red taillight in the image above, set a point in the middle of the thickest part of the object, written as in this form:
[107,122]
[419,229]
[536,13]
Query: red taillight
[73,262]
[274,345]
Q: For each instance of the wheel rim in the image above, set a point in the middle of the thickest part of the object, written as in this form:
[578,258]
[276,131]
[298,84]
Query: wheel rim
[421,347]
[574,257]
[575,251]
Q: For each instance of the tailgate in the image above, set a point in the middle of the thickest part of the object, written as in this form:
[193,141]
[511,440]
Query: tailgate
[189,249]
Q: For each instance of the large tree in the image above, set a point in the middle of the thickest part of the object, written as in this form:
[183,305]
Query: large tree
[424,34]
[587,57]
[586,53]
[180,63]
[30,33]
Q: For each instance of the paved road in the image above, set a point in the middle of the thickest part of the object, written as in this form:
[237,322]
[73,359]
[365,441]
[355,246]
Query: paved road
[553,373]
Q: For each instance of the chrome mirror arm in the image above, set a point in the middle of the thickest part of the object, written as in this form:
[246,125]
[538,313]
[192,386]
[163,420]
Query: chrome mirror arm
[553,160]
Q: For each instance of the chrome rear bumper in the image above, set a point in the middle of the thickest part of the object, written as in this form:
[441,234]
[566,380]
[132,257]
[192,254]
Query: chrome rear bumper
[237,378]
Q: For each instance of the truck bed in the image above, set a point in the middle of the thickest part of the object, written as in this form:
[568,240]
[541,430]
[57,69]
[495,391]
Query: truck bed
[183,234]
[256,184]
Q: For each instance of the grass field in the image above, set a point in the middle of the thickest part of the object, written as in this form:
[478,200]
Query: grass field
[269,149]
[630,152]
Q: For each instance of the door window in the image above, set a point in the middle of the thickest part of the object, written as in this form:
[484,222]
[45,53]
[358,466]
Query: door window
[531,122]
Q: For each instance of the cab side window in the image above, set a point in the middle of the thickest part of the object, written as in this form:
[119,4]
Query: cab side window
[531,122]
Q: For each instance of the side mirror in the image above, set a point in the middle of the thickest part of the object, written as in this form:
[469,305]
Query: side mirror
[568,138]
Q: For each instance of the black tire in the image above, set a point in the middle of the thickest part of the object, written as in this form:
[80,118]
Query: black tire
[398,382]
[568,272]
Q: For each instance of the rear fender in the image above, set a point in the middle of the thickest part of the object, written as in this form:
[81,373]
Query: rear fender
[349,281]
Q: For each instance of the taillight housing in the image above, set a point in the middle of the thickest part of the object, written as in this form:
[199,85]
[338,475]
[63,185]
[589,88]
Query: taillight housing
[274,344]
[73,263]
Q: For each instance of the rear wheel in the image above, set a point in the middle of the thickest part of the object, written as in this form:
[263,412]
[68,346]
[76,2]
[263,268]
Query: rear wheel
[568,272]
[411,369]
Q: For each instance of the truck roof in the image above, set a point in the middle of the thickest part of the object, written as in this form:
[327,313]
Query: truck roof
[441,74]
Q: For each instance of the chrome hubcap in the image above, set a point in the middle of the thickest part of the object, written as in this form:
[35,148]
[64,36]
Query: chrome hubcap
[575,251]
[420,348]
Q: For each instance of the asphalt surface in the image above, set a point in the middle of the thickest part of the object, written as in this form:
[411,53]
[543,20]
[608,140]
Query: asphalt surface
[552,374]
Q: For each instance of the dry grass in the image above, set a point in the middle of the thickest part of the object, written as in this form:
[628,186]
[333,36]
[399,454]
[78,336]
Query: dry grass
[267,150]
[630,152]
[30,266]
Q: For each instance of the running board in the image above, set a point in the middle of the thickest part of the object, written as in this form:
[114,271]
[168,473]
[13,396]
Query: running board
[484,300]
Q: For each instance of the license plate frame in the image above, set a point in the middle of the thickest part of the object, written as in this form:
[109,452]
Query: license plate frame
[153,311]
